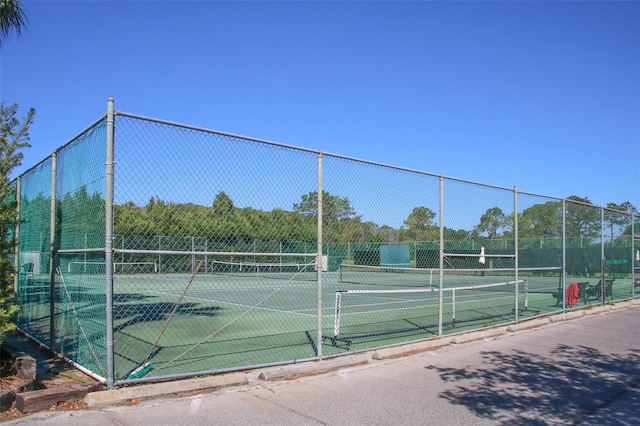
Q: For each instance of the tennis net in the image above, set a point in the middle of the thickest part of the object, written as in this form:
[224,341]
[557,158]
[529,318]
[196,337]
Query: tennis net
[388,276]
[97,267]
[402,277]
[367,312]
[277,270]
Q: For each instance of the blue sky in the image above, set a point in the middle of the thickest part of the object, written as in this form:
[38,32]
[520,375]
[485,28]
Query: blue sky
[544,96]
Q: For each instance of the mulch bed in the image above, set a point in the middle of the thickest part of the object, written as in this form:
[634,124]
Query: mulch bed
[51,373]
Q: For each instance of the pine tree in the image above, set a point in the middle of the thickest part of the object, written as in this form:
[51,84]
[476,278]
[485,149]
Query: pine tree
[14,136]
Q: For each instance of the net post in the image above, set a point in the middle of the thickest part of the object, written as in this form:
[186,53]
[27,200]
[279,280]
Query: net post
[336,321]
[453,308]
[109,174]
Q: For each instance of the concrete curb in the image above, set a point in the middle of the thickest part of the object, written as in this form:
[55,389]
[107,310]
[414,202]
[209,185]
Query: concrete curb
[529,324]
[408,349]
[312,367]
[489,333]
[566,316]
[132,395]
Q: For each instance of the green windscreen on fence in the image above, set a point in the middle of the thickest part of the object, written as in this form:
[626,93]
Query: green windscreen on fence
[65,311]
[33,291]
[80,195]
[395,256]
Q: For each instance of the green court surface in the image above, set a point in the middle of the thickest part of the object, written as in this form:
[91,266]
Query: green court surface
[180,323]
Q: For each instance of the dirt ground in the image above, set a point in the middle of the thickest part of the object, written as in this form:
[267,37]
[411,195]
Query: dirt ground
[13,413]
[51,372]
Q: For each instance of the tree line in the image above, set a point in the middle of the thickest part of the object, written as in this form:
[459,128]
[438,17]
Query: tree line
[341,223]
[82,213]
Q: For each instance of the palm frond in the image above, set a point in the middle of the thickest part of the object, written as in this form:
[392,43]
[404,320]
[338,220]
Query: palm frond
[12,19]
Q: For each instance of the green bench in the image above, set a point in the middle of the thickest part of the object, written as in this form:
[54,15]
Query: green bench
[588,291]
[594,291]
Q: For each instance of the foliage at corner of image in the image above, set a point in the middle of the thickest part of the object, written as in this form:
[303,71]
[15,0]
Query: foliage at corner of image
[14,136]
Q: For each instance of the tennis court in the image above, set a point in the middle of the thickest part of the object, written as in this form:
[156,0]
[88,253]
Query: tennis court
[259,313]
[229,314]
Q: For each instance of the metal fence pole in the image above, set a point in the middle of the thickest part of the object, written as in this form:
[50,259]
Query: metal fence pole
[52,254]
[319,256]
[109,245]
[441,278]
[604,258]
[563,270]
[633,256]
[16,235]
[515,233]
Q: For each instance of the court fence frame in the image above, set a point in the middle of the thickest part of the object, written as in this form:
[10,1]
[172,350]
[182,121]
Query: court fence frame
[69,251]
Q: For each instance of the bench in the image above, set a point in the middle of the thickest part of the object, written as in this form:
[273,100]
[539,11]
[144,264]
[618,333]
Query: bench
[588,291]
[594,291]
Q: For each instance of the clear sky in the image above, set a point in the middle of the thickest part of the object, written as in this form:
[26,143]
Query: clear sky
[544,96]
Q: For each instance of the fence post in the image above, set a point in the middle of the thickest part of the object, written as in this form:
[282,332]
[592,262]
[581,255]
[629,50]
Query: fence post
[109,245]
[515,232]
[441,266]
[52,254]
[563,270]
[633,256]
[319,256]
[16,235]
[604,259]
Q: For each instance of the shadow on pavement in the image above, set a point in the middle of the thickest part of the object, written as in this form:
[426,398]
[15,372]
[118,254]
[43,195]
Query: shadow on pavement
[571,385]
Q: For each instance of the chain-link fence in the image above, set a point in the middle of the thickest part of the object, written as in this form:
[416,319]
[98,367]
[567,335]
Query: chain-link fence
[152,250]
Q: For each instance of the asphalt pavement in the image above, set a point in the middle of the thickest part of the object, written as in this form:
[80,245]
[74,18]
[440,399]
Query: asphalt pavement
[577,368]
